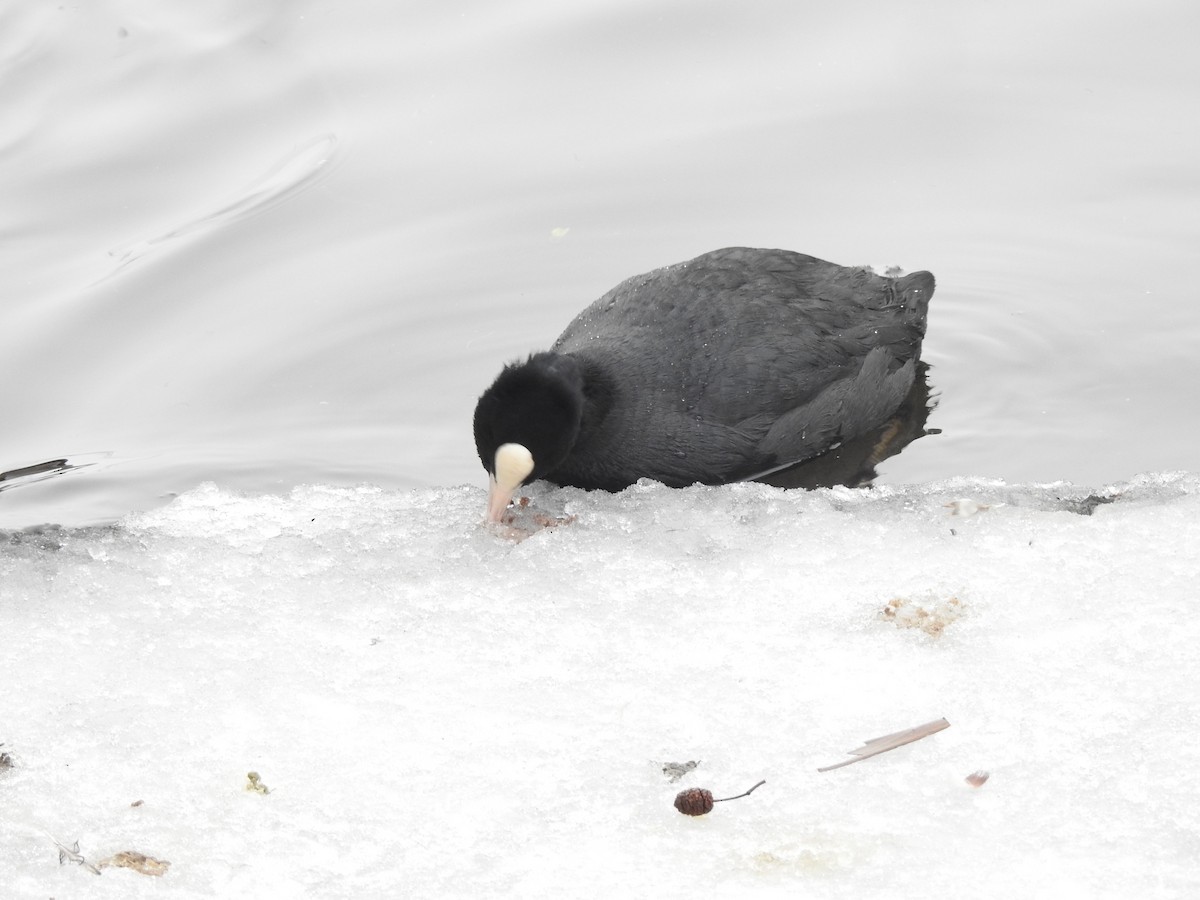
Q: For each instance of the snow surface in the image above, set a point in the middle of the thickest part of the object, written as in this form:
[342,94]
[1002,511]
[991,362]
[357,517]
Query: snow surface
[440,709]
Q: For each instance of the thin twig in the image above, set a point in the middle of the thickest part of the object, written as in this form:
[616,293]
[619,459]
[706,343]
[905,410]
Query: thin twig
[747,794]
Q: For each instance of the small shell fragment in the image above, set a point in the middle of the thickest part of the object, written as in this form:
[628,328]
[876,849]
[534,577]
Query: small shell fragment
[977,779]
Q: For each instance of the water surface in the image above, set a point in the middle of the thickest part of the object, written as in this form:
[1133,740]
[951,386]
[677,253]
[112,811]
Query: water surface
[266,243]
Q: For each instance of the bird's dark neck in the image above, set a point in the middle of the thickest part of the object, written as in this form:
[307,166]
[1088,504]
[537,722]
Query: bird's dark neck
[599,392]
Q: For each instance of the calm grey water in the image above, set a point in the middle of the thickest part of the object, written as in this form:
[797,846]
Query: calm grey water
[267,242]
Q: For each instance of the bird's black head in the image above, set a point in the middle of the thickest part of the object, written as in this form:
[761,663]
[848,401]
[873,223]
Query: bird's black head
[537,404]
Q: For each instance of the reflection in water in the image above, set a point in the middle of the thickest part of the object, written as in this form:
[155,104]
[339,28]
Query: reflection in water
[37,472]
[853,462]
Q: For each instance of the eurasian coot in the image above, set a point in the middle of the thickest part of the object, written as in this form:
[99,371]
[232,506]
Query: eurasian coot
[726,368]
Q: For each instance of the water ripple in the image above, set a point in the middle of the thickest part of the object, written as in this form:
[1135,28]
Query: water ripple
[292,173]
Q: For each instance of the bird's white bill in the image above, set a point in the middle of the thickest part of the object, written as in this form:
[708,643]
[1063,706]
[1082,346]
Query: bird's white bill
[513,464]
[498,500]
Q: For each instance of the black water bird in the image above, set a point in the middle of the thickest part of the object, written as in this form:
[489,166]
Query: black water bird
[730,367]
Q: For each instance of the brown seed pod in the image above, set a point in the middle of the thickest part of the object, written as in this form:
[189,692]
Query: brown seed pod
[694,801]
[698,801]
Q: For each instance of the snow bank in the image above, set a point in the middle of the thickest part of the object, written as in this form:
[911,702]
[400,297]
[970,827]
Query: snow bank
[440,709]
